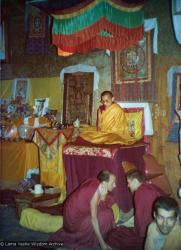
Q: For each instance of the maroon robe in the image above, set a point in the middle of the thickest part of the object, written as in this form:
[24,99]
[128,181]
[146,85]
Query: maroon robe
[123,238]
[77,229]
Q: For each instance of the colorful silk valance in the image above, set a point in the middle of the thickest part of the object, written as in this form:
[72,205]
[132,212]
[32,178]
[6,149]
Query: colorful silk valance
[85,25]
[99,25]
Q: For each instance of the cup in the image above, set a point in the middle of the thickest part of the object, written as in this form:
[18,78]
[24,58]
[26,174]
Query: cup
[38,189]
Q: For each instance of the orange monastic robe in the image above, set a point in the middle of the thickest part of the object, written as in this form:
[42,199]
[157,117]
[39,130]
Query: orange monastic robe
[113,128]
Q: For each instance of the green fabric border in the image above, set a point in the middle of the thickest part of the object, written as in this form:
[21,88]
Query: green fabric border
[115,16]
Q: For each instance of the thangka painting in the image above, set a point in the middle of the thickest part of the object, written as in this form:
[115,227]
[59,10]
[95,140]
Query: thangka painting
[37,22]
[37,32]
[176,106]
[132,71]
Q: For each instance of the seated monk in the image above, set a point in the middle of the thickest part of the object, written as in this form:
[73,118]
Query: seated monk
[112,125]
[124,238]
[87,214]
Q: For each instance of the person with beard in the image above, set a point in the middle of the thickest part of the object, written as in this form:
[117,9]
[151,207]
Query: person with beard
[164,233]
[144,195]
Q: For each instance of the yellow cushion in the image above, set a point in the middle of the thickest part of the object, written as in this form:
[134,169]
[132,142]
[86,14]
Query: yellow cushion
[135,123]
[115,210]
[89,128]
[35,220]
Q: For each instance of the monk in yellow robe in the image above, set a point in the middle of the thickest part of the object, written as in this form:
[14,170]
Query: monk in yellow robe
[112,125]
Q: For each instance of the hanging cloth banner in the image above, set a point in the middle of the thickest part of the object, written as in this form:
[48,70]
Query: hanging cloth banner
[102,27]
[130,18]
[37,35]
[101,42]
[101,24]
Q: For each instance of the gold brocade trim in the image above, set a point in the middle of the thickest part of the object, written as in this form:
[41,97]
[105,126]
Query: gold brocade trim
[89,151]
[53,172]
[77,13]
[50,135]
[92,5]
[50,151]
[124,8]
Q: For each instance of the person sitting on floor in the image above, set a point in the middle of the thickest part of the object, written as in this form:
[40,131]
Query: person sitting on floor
[87,214]
[124,238]
[164,233]
[112,125]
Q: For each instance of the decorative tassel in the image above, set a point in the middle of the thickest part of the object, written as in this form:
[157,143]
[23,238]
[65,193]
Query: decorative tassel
[136,83]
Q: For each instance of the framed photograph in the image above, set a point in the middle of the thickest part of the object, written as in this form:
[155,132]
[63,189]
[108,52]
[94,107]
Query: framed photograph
[41,106]
[21,89]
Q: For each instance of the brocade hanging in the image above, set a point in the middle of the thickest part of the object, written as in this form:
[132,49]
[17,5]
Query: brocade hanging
[101,24]
[38,35]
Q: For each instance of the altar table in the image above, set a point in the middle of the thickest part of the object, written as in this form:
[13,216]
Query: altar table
[16,158]
[83,162]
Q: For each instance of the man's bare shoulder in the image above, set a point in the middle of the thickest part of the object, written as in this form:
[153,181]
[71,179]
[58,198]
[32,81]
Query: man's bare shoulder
[177,227]
[152,227]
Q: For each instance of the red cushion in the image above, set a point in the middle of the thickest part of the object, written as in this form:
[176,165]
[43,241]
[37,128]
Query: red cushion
[163,183]
[152,168]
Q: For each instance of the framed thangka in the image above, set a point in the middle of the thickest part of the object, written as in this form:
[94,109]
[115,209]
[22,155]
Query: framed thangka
[133,72]
[21,89]
[176,106]
[37,22]
[37,41]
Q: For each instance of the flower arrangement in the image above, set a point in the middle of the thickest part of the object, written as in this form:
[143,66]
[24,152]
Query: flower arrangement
[12,111]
